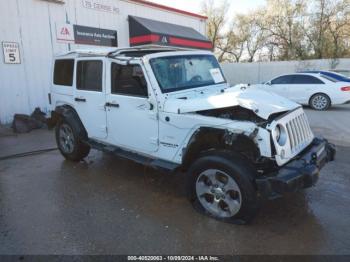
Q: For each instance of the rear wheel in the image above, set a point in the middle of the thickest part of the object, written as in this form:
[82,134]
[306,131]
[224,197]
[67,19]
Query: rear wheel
[222,187]
[320,102]
[69,141]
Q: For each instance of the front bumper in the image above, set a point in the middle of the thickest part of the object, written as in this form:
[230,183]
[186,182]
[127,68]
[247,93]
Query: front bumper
[300,173]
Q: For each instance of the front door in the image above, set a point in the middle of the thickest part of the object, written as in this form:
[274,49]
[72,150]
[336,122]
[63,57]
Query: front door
[280,85]
[90,97]
[131,118]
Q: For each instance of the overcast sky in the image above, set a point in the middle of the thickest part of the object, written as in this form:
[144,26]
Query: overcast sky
[237,6]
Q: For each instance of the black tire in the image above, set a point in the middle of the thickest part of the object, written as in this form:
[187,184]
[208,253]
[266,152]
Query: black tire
[320,102]
[236,167]
[78,149]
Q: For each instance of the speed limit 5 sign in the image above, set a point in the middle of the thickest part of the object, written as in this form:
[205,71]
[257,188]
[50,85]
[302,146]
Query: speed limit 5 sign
[11,52]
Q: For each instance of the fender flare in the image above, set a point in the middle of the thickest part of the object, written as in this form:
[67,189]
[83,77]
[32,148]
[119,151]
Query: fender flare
[69,113]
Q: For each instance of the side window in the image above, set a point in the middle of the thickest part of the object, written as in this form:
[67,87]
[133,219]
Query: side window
[305,79]
[282,80]
[89,75]
[63,72]
[128,80]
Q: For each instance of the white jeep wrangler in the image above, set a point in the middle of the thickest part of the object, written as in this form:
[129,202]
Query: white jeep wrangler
[173,109]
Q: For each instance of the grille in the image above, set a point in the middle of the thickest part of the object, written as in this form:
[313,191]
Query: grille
[299,132]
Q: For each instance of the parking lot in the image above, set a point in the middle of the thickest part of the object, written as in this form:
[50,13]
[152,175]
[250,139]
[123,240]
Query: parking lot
[108,205]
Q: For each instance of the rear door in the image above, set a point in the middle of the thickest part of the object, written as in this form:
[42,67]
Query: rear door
[90,97]
[303,87]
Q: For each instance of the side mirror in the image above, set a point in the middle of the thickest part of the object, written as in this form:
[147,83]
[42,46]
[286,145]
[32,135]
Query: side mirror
[268,83]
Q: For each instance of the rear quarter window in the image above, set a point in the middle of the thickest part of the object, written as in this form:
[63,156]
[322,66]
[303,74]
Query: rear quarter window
[63,72]
[329,78]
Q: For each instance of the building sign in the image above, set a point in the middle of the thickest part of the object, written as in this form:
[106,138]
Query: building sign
[11,53]
[65,33]
[98,6]
[95,36]
[84,35]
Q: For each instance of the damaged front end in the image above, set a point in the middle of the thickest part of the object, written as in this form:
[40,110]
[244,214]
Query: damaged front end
[302,172]
[297,156]
[273,133]
[234,113]
[239,113]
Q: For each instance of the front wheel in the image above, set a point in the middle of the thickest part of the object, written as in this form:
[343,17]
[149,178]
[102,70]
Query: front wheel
[320,102]
[222,187]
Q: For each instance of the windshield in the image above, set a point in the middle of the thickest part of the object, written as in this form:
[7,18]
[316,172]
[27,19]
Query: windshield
[175,73]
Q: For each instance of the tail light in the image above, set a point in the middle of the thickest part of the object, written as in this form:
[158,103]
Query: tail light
[345,88]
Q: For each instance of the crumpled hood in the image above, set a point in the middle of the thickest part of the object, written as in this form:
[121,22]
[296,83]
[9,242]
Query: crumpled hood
[261,102]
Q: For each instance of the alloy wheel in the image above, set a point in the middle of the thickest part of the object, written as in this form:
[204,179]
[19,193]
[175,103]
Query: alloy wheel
[319,102]
[66,138]
[218,193]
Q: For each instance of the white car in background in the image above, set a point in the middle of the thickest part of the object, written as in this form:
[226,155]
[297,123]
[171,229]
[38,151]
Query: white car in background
[318,91]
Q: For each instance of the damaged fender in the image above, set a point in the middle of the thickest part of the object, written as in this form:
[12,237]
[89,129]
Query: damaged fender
[205,138]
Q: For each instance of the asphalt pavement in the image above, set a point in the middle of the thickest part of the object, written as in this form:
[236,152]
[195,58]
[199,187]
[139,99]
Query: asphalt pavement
[107,205]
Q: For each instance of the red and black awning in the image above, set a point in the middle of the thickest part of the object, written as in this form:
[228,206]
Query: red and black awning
[145,31]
